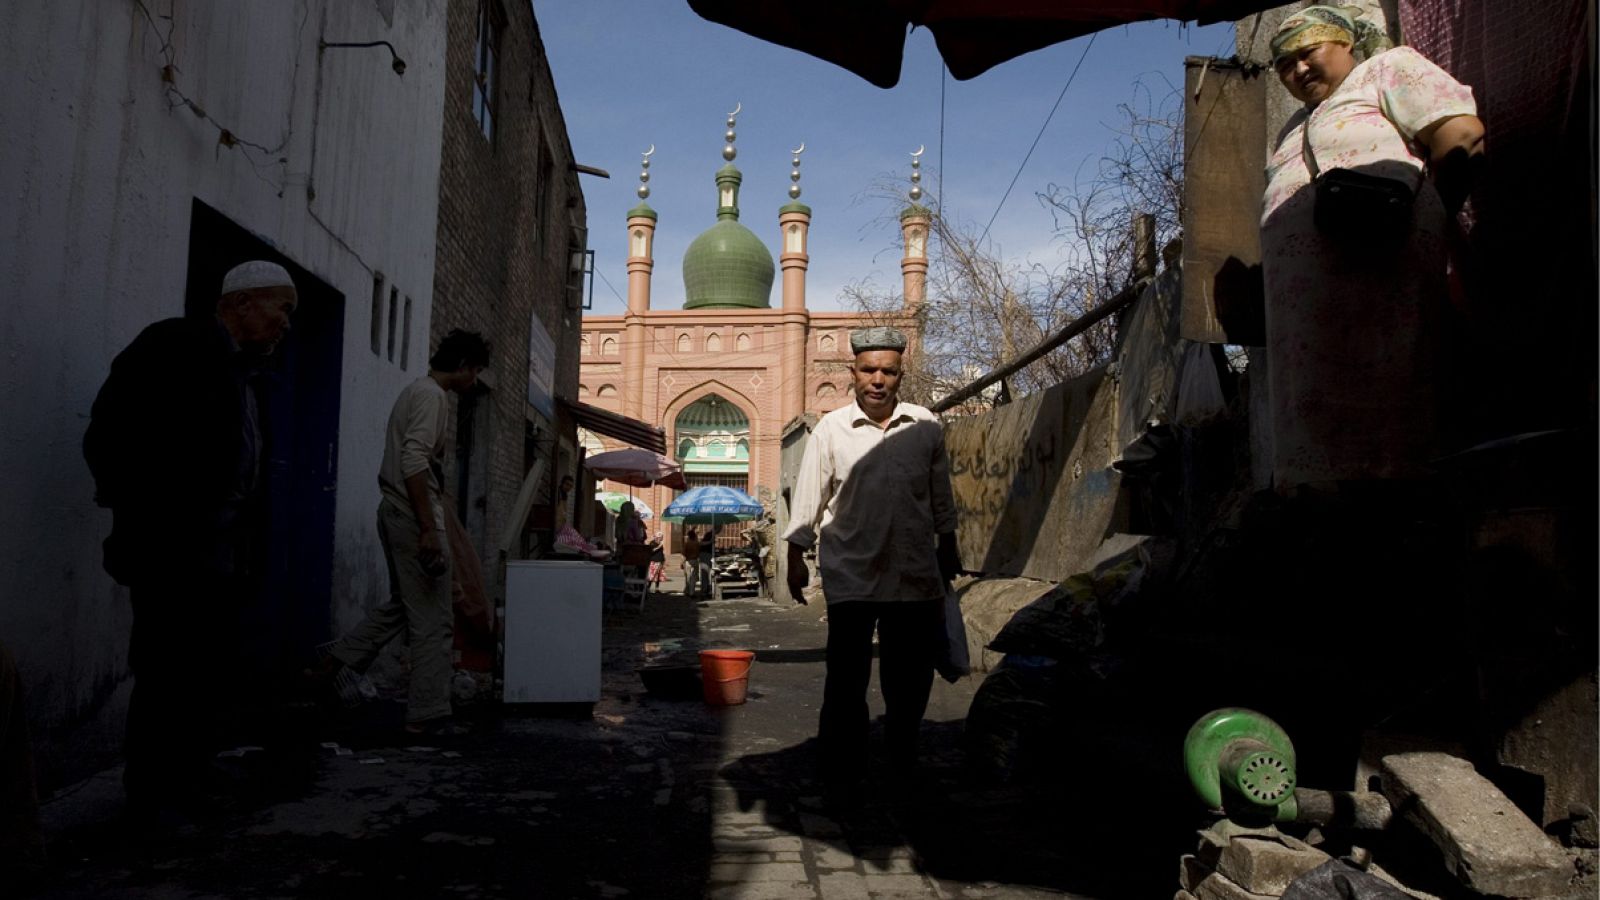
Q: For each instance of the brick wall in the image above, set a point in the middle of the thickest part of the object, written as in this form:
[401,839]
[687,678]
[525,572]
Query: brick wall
[502,258]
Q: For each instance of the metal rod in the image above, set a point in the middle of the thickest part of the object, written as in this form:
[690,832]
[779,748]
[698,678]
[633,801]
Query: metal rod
[1067,333]
[1361,811]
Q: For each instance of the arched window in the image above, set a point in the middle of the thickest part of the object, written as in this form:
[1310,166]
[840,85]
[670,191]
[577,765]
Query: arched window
[742,450]
[583,390]
[827,343]
[716,449]
[826,390]
[608,347]
[583,347]
[713,343]
[683,343]
[607,390]
[685,448]
[743,341]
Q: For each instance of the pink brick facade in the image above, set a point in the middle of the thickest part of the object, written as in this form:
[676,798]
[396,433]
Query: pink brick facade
[742,364]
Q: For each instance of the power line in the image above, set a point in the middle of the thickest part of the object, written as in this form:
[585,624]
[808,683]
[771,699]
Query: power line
[603,278]
[1059,98]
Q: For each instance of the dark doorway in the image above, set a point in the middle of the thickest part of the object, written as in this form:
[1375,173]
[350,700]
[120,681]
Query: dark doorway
[298,394]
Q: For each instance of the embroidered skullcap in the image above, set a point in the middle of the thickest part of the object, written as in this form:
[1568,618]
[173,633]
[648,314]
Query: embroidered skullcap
[1323,24]
[258,273]
[879,338]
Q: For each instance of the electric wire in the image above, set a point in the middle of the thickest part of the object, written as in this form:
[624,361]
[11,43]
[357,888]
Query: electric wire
[1037,137]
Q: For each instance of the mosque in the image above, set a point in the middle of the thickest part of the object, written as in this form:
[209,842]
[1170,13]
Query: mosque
[727,375]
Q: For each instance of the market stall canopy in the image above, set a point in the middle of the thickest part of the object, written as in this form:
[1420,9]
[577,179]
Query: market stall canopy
[639,468]
[622,428]
[868,36]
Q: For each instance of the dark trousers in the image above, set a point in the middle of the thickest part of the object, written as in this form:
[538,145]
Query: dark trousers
[184,655]
[908,636]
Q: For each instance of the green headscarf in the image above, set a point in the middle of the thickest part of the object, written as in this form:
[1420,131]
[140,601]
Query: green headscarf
[1321,24]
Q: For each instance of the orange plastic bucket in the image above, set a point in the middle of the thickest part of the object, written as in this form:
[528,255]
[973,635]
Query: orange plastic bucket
[724,675]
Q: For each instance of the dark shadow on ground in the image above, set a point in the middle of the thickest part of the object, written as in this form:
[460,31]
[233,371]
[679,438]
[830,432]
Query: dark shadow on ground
[1108,830]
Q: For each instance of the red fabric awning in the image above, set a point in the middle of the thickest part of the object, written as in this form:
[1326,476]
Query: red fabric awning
[868,36]
[620,427]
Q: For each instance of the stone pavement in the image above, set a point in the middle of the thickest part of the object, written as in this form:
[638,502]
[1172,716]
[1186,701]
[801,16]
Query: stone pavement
[645,798]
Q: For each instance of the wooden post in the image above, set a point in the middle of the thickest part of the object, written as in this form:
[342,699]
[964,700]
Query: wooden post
[1144,246]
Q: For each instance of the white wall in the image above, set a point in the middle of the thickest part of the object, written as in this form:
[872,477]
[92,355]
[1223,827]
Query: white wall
[98,173]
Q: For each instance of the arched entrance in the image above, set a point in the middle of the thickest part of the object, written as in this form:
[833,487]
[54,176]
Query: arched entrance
[711,438]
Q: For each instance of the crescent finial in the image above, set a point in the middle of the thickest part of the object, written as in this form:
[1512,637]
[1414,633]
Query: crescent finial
[920,149]
[651,150]
[736,107]
[799,150]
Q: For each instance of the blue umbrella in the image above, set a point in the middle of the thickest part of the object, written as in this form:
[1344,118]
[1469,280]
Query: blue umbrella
[707,504]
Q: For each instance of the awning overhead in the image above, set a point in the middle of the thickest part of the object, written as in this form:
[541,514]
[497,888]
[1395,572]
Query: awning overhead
[868,36]
[612,425]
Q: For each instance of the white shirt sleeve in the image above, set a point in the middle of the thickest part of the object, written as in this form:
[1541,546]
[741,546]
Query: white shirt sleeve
[423,421]
[812,490]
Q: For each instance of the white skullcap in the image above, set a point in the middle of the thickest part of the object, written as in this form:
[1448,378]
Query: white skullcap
[258,273]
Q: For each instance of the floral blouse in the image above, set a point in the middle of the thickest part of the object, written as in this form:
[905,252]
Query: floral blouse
[1370,122]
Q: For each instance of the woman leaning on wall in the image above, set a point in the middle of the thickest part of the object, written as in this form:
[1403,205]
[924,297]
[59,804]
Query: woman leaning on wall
[1362,187]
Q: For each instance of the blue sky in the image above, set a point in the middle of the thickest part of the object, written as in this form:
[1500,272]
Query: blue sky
[630,74]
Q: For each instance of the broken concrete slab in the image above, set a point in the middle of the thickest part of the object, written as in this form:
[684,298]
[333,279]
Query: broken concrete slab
[987,604]
[1034,489]
[1219,887]
[1268,866]
[1485,839]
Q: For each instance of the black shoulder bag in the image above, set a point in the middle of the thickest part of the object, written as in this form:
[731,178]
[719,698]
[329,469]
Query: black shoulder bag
[1352,205]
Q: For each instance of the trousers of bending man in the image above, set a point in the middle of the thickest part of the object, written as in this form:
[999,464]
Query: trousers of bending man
[874,498]
[412,528]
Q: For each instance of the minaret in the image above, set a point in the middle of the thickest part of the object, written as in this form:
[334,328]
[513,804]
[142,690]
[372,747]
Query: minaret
[914,222]
[641,260]
[794,222]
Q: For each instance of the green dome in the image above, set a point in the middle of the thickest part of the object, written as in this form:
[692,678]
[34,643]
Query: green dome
[727,266]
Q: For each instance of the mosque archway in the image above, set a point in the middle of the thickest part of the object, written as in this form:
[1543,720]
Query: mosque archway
[712,440]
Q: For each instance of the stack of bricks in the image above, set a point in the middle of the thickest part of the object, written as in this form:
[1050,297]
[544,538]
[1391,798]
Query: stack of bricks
[1237,863]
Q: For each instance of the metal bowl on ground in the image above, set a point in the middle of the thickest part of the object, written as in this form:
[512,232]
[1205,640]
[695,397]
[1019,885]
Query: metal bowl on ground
[677,681]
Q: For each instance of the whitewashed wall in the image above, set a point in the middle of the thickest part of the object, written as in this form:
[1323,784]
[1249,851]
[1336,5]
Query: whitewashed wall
[98,173]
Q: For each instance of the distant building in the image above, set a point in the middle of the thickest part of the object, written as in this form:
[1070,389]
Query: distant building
[726,374]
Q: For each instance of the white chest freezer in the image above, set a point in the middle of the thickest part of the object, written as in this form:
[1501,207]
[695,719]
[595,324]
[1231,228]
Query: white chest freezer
[552,631]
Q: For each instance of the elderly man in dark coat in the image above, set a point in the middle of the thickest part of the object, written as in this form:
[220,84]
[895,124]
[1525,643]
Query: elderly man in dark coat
[175,447]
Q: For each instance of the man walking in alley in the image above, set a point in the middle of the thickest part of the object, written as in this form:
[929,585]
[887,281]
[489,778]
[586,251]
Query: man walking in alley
[175,447]
[412,527]
[874,497]
[691,563]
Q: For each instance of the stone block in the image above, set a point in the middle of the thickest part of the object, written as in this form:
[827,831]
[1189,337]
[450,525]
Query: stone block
[1486,842]
[1191,872]
[1219,887]
[1266,866]
[843,886]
